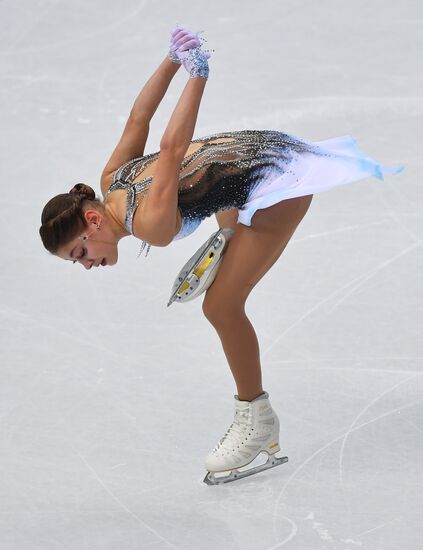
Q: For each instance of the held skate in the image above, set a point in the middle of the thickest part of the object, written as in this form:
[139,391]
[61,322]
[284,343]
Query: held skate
[255,430]
[201,269]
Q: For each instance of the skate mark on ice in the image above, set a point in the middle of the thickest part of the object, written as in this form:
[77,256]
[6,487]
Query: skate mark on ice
[382,101]
[395,216]
[316,453]
[366,408]
[320,528]
[355,368]
[22,31]
[120,503]
[335,231]
[71,41]
[376,528]
[292,534]
[52,328]
[410,423]
[366,276]
[302,108]
[360,279]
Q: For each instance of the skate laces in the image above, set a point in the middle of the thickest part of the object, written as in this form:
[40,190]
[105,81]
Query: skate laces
[236,431]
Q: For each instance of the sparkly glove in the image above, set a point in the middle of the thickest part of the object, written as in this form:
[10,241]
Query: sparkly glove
[195,62]
[185,48]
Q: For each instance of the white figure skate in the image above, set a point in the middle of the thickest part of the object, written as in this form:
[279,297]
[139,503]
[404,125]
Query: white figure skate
[255,429]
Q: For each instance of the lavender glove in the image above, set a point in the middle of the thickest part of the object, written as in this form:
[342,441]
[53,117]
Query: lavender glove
[185,48]
[181,40]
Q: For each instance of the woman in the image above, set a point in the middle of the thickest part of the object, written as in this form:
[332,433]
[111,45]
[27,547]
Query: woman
[258,183]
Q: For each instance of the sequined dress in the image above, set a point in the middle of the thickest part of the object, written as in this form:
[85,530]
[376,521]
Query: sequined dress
[250,170]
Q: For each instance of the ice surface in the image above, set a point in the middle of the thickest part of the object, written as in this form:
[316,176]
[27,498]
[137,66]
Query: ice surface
[109,400]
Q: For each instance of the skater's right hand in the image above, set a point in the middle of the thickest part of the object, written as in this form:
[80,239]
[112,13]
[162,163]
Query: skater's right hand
[185,48]
[182,39]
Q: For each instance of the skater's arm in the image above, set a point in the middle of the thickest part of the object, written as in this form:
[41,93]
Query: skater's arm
[134,137]
[157,221]
[153,92]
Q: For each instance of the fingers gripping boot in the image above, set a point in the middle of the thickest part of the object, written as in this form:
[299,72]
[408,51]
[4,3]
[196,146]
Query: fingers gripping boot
[255,429]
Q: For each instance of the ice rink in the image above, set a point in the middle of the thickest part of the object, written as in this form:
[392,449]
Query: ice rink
[109,400]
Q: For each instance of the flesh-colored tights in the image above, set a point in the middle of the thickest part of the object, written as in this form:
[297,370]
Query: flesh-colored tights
[250,254]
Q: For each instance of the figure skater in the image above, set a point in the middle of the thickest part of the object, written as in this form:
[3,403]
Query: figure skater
[259,183]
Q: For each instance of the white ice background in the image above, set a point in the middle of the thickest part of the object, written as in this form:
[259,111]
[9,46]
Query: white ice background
[109,400]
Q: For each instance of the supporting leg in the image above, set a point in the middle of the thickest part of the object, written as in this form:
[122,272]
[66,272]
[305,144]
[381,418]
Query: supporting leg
[241,348]
[251,253]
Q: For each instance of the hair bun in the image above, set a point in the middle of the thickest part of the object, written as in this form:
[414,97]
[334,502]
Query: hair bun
[84,190]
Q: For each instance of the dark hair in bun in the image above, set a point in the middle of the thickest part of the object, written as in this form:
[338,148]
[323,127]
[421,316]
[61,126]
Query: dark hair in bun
[63,218]
[84,190]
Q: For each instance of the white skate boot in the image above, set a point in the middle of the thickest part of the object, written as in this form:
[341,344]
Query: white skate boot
[255,429]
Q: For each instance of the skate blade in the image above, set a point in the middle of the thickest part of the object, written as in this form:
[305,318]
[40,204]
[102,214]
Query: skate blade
[273,461]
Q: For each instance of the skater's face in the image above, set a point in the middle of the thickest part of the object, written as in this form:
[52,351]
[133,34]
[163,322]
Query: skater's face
[96,246]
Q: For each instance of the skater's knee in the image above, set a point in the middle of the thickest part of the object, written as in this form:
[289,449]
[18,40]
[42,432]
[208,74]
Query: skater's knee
[220,311]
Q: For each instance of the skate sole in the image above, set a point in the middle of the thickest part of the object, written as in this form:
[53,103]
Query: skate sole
[272,462]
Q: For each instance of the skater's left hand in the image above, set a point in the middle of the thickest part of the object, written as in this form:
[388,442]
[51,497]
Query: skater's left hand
[181,40]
